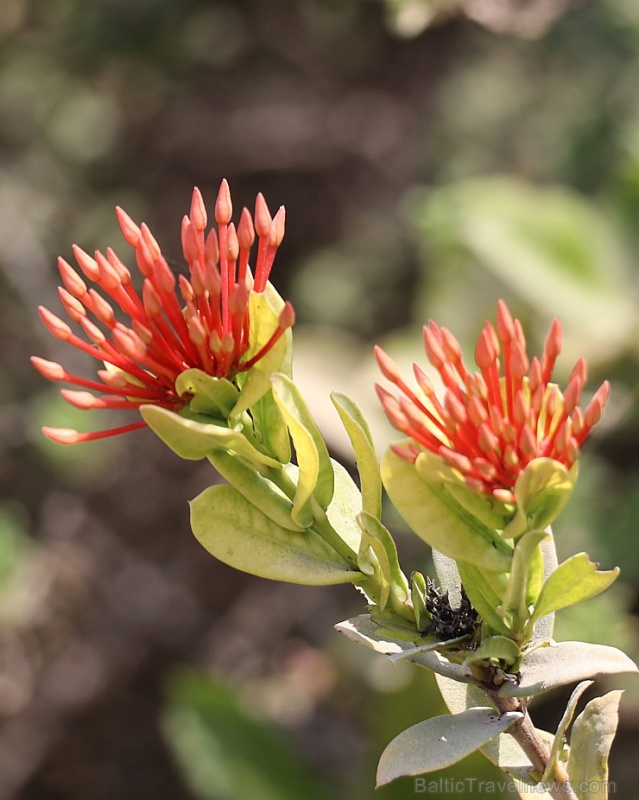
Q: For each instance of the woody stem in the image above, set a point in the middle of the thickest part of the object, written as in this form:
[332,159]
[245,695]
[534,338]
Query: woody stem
[527,737]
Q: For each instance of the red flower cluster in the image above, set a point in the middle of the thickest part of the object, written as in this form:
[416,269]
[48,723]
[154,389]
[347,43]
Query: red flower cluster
[208,328]
[490,425]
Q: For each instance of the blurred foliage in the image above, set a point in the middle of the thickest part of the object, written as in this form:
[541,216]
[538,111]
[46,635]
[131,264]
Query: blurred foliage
[225,754]
[491,149]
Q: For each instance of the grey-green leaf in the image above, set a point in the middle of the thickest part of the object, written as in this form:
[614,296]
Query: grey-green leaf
[566,662]
[364,630]
[560,737]
[438,742]
[503,751]
[590,743]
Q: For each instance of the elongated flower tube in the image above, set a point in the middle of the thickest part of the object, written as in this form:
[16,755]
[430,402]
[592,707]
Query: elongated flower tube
[147,339]
[490,424]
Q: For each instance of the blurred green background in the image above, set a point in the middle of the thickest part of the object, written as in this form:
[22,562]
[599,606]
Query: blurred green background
[433,156]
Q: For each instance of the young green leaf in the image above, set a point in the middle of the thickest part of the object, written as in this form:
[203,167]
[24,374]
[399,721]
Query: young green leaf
[211,396]
[574,581]
[365,456]
[590,743]
[233,530]
[541,492]
[316,471]
[394,586]
[485,591]
[438,742]
[495,647]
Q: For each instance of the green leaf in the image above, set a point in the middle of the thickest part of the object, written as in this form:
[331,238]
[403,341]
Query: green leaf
[439,520]
[213,397]
[574,581]
[394,586]
[316,471]
[485,591]
[541,493]
[257,489]
[240,535]
[590,742]
[566,662]
[495,647]
[366,459]
[559,742]
[193,440]
[438,742]
[264,309]
[224,752]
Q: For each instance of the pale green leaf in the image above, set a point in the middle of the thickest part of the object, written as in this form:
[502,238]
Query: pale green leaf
[438,742]
[566,662]
[193,440]
[590,742]
[439,520]
[240,535]
[365,456]
[344,507]
[574,581]
[485,507]
[316,471]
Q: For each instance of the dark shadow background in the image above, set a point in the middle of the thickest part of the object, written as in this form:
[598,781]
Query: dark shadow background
[105,597]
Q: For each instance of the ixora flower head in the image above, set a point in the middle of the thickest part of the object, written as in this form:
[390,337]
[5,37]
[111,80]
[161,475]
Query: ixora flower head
[225,321]
[503,424]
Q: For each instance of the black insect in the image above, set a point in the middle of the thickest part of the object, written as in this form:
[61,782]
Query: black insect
[448,622]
